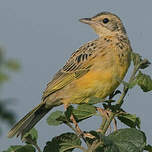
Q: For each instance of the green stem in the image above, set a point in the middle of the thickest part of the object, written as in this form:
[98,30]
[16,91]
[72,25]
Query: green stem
[103,123]
[34,144]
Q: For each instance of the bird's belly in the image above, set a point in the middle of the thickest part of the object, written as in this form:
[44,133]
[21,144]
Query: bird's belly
[97,83]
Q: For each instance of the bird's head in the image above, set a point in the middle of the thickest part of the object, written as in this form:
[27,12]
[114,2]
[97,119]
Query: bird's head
[105,24]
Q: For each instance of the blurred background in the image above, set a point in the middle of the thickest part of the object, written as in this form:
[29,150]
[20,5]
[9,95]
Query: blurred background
[39,36]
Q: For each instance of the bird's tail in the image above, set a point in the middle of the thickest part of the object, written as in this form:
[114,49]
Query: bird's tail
[29,120]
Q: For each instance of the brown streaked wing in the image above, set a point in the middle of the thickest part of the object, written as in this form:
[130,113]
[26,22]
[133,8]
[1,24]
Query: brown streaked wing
[78,65]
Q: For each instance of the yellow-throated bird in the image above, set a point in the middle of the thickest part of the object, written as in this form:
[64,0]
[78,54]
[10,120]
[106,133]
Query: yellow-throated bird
[94,70]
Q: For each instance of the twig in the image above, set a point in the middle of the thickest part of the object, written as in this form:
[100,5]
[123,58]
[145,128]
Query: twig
[104,117]
[115,124]
[104,120]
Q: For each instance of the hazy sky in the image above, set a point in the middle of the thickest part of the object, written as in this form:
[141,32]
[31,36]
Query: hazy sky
[43,34]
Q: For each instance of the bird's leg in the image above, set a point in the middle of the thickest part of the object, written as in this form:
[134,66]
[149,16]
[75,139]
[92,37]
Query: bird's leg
[105,116]
[79,131]
[103,112]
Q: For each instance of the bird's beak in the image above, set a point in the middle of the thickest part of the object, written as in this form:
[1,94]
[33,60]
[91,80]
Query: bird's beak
[86,20]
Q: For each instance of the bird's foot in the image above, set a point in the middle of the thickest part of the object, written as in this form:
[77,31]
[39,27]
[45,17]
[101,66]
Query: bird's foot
[79,131]
[105,114]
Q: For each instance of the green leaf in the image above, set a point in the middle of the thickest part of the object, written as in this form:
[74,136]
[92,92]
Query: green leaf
[148,148]
[83,111]
[6,114]
[144,64]
[19,148]
[132,84]
[136,58]
[13,148]
[94,100]
[128,140]
[105,144]
[3,77]
[2,55]
[63,143]
[123,140]
[55,118]
[144,81]
[12,64]
[129,120]
[26,148]
[51,146]
[32,134]
[67,113]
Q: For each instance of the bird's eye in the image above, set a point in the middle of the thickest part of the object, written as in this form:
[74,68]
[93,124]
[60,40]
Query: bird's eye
[105,20]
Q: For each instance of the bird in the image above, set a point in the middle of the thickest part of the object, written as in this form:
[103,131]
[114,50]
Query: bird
[96,69]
